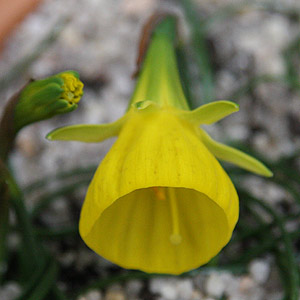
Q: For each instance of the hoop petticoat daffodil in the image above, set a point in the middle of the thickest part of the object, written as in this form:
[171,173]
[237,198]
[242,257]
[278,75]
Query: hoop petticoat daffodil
[160,201]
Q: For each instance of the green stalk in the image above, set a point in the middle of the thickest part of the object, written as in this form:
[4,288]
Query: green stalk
[32,250]
[262,229]
[57,233]
[46,199]
[40,283]
[57,294]
[202,55]
[83,172]
[4,213]
[159,79]
[292,270]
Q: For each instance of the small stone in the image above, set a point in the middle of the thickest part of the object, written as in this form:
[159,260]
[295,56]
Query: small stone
[246,284]
[115,293]
[196,295]
[184,289]
[215,285]
[172,288]
[66,259]
[199,281]
[133,288]
[259,270]
[28,144]
[91,295]
[10,291]
[163,287]
[232,284]
[138,7]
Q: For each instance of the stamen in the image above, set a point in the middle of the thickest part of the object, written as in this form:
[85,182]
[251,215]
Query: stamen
[175,237]
[159,192]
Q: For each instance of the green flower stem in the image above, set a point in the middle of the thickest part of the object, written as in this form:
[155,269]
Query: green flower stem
[264,246]
[57,294]
[249,232]
[257,218]
[82,173]
[253,83]
[291,68]
[282,268]
[292,269]
[202,56]
[32,250]
[40,283]
[57,233]
[289,187]
[46,199]
[185,76]
[4,213]
[159,79]
[7,129]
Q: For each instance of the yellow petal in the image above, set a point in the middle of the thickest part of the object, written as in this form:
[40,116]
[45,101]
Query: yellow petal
[88,133]
[159,202]
[211,112]
[235,156]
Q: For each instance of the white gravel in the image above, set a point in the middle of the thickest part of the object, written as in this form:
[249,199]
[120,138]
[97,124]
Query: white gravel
[100,41]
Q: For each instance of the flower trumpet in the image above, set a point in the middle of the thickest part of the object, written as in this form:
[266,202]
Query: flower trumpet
[160,201]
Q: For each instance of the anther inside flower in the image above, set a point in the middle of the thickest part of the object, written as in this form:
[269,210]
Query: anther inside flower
[72,88]
[160,201]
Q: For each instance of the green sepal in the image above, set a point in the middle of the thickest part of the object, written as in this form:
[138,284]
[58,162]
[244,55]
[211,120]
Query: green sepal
[235,156]
[35,86]
[88,133]
[211,112]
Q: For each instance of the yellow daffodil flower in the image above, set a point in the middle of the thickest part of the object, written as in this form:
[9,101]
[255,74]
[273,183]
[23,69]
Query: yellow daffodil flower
[160,201]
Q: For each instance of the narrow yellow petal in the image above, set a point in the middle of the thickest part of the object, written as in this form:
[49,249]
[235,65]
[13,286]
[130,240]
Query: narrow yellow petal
[235,156]
[211,112]
[88,133]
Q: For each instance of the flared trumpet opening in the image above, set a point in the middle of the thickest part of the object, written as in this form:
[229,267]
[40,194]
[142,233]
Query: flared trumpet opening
[160,230]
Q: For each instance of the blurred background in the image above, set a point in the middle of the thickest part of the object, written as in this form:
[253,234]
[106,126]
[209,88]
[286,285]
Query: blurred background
[247,52]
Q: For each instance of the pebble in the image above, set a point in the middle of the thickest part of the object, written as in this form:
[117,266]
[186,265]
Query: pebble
[133,288]
[172,288]
[10,291]
[259,270]
[196,295]
[115,295]
[115,292]
[250,40]
[246,283]
[216,284]
[91,295]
